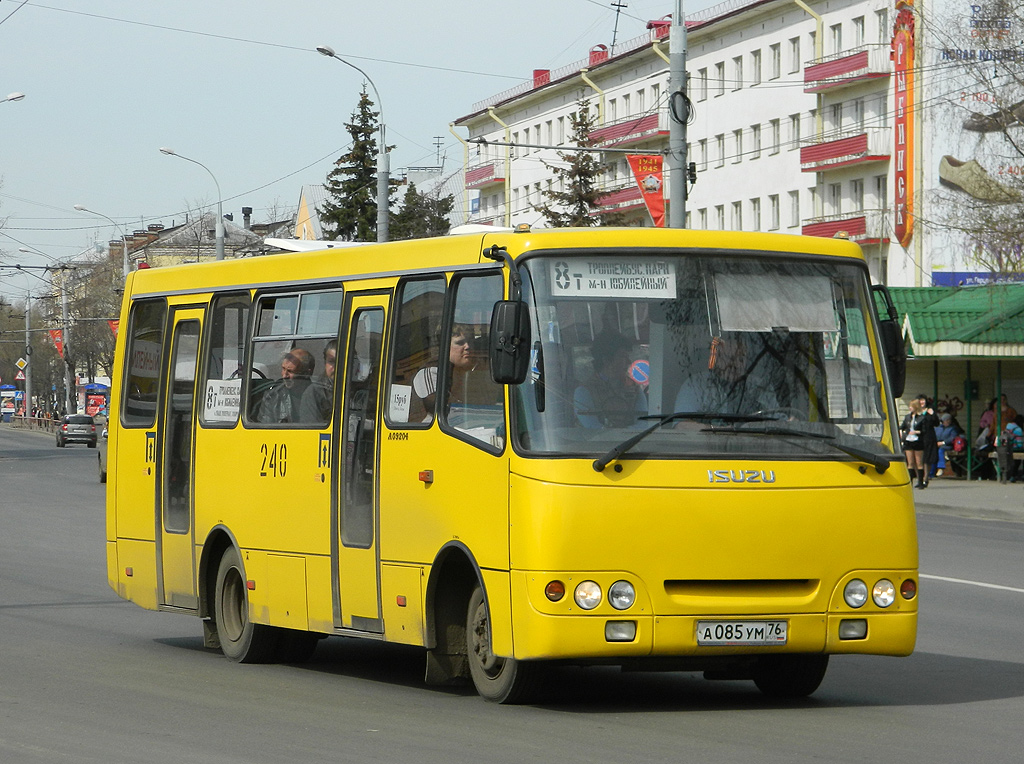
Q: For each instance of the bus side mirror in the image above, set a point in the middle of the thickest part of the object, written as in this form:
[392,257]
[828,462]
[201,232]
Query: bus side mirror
[509,349]
[893,347]
[895,355]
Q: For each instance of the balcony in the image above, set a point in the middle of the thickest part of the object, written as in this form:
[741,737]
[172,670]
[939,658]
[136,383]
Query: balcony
[868,62]
[627,131]
[845,148]
[486,174]
[862,226]
[621,196]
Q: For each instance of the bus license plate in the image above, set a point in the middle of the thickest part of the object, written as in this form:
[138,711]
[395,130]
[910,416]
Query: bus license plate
[741,632]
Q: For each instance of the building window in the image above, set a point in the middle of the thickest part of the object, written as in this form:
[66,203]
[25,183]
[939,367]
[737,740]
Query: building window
[720,217]
[548,133]
[857,194]
[755,214]
[702,84]
[737,216]
[702,158]
[702,217]
[625,106]
[655,96]
[737,140]
[776,129]
[737,71]
[882,25]
[561,131]
[858,113]
[794,209]
[613,108]
[773,212]
[720,77]
[882,191]
[776,61]
[720,147]
[836,118]
[639,102]
[836,38]
[794,132]
[794,55]
[858,32]
[755,141]
[755,68]
[835,198]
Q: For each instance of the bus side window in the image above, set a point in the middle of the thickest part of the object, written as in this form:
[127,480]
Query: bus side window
[473,402]
[412,378]
[224,368]
[141,384]
[291,374]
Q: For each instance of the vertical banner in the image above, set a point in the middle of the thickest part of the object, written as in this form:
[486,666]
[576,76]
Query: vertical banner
[902,55]
[58,341]
[647,169]
[113,323]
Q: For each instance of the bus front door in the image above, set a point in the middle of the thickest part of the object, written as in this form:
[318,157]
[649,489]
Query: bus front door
[356,526]
[176,550]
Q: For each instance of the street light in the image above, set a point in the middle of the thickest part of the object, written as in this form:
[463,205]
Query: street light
[220,210]
[383,161]
[125,267]
[13,97]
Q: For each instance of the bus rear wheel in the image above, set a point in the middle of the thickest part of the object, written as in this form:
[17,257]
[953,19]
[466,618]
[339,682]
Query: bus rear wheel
[241,640]
[502,680]
[790,676]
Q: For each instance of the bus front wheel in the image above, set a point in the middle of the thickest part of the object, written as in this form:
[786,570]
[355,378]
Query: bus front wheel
[241,640]
[502,680]
[790,676]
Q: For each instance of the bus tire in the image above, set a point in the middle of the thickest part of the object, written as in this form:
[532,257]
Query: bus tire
[790,676]
[502,680]
[241,640]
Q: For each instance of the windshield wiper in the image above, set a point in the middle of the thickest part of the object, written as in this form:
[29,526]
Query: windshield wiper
[700,416]
[880,463]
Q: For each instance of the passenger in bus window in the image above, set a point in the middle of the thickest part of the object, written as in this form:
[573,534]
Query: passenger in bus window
[282,404]
[316,401]
[609,397]
[461,363]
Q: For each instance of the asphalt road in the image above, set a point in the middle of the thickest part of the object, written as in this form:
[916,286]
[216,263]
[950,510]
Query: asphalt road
[85,677]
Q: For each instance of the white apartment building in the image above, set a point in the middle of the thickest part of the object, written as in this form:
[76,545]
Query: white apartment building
[792,130]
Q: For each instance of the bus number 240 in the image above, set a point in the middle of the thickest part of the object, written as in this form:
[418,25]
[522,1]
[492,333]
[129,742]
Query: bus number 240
[275,460]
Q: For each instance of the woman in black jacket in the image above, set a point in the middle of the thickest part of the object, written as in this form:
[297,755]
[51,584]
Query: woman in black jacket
[919,442]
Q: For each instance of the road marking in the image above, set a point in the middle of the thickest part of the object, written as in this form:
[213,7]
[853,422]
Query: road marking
[973,583]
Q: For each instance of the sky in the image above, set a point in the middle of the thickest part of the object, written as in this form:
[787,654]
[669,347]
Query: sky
[238,86]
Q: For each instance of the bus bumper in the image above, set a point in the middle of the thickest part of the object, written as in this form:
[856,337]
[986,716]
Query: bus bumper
[600,637]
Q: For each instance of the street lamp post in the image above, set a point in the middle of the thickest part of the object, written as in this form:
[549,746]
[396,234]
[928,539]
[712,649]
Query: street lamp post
[125,266]
[220,211]
[383,161]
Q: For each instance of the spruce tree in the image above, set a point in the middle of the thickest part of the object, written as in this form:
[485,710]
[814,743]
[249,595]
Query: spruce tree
[422,215]
[350,211]
[580,173]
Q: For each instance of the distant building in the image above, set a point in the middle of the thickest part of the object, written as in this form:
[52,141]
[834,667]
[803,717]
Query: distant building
[817,118]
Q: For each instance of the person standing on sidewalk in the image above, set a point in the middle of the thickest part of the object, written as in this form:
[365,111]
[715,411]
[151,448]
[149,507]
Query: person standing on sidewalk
[919,442]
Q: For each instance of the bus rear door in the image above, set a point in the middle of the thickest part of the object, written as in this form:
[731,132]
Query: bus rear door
[176,550]
[356,526]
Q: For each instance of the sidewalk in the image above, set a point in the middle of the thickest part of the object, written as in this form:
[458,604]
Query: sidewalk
[987,499]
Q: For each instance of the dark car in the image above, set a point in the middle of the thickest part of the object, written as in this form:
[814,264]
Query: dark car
[76,428]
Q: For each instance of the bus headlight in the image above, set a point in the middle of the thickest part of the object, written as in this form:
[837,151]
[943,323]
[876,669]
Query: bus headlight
[884,593]
[855,593]
[621,595]
[587,595]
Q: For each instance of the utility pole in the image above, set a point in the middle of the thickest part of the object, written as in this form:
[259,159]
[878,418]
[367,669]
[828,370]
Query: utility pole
[678,113]
[28,355]
[618,10]
[70,399]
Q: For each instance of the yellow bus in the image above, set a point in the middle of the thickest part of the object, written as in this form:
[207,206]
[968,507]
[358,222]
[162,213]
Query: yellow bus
[641,447]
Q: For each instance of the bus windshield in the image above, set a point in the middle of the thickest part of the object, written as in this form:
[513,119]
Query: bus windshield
[738,355]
